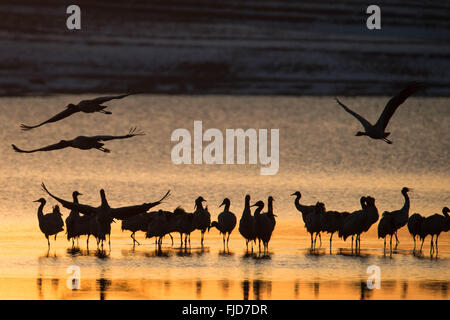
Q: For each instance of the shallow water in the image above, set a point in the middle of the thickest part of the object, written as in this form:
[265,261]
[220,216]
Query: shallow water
[319,155]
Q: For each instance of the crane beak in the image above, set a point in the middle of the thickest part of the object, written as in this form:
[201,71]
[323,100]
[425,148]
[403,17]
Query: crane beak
[80,194]
[223,203]
[36,201]
[253,205]
[293,194]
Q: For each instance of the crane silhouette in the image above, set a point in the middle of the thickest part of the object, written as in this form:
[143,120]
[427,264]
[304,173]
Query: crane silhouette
[185,225]
[103,215]
[50,223]
[399,217]
[314,222]
[87,106]
[333,222]
[415,222]
[352,225]
[202,217]
[72,221]
[247,224]
[377,131]
[161,223]
[305,211]
[138,222]
[434,226]
[82,142]
[226,221]
[264,223]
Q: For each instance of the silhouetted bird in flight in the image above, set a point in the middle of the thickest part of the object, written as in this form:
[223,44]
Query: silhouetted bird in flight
[83,143]
[377,131]
[87,106]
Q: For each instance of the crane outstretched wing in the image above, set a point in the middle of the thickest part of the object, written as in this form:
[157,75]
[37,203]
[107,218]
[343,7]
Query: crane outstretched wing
[82,208]
[126,212]
[395,102]
[56,146]
[130,134]
[101,100]
[366,124]
[63,114]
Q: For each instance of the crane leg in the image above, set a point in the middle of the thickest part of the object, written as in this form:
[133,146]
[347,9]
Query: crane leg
[431,245]
[228,240]
[390,244]
[134,239]
[437,236]
[48,242]
[396,239]
[171,238]
[331,241]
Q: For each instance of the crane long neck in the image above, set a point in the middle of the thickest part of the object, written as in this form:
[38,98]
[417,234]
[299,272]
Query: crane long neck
[75,200]
[40,212]
[299,206]
[406,205]
[258,211]
[104,201]
[247,212]
[198,205]
[227,206]
[270,207]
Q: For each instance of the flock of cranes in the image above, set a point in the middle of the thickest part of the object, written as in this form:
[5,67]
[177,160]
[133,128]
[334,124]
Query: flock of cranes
[96,221]
[259,226]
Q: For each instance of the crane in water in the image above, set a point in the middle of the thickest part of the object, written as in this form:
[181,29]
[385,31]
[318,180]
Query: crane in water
[138,222]
[185,225]
[202,217]
[398,218]
[161,223]
[226,222]
[72,221]
[103,215]
[264,223]
[82,142]
[434,226]
[306,211]
[87,106]
[353,223]
[247,224]
[377,131]
[50,223]
[415,227]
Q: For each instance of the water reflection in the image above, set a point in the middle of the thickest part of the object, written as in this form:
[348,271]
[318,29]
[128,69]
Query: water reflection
[365,292]
[245,289]
[436,287]
[198,288]
[260,287]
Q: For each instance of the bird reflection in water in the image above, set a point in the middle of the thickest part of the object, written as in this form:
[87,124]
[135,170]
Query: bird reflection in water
[198,288]
[245,289]
[261,286]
